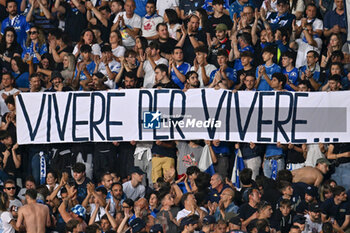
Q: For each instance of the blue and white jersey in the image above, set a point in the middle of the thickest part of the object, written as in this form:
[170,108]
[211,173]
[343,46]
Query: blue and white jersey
[270,70]
[115,67]
[90,67]
[20,25]
[293,76]
[30,50]
[230,73]
[238,63]
[183,68]
[279,21]
[208,5]
[316,72]
[237,8]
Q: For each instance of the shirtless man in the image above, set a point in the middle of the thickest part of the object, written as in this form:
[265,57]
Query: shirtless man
[32,214]
[312,175]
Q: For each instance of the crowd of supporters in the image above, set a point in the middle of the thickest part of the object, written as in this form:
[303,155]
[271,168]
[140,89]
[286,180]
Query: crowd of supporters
[157,187]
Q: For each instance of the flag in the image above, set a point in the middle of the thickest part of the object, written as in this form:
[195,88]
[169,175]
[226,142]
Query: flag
[206,163]
[237,168]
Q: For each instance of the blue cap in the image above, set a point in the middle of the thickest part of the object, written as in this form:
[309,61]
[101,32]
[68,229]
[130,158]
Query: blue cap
[79,210]
[137,225]
[156,228]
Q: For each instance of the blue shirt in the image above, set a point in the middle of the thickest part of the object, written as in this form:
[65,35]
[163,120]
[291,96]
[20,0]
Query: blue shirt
[30,50]
[230,73]
[316,73]
[237,8]
[90,67]
[332,18]
[183,68]
[20,25]
[140,7]
[231,208]
[270,70]
[22,80]
[284,20]
[273,150]
[238,62]
[292,76]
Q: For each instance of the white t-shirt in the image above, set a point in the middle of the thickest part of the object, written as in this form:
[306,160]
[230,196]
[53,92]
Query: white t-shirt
[303,48]
[316,25]
[166,4]
[133,22]
[183,213]
[172,31]
[100,212]
[149,78]
[115,68]
[311,226]
[6,218]
[208,69]
[149,25]
[3,106]
[119,51]
[133,193]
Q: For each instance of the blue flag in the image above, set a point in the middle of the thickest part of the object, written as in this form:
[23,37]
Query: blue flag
[206,163]
[239,166]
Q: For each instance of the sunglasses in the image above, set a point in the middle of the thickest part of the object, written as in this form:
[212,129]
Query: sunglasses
[32,32]
[9,188]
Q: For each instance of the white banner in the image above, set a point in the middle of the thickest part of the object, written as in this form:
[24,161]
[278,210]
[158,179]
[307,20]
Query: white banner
[146,115]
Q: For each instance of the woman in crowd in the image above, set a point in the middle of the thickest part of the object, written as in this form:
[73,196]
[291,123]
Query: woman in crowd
[88,38]
[68,68]
[20,73]
[115,40]
[172,20]
[9,48]
[35,46]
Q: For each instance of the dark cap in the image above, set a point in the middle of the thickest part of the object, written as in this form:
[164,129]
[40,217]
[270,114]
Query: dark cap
[187,221]
[209,219]
[106,48]
[311,191]
[215,2]
[56,74]
[156,228]
[282,1]
[99,75]
[236,221]
[299,219]
[314,207]
[137,225]
[323,160]
[137,170]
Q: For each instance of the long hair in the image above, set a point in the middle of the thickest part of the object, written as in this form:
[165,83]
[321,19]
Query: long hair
[3,46]
[120,39]
[3,201]
[41,37]
[20,64]
[94,41]
[71,60]
[294,4]
[172,16]
[203,16]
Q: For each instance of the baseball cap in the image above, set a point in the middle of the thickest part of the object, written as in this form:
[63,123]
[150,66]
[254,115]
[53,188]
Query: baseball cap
[187,221]
[209,219]
[299,219]
[156,228]
[323,160]
[137,225]
[56,74]
[236,221]
[311,191]
[136,170]
[221,27]
[79,210]
[314,207]
[282,1]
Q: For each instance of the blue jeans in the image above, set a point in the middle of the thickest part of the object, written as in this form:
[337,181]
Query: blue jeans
[342,175]
[268,166]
